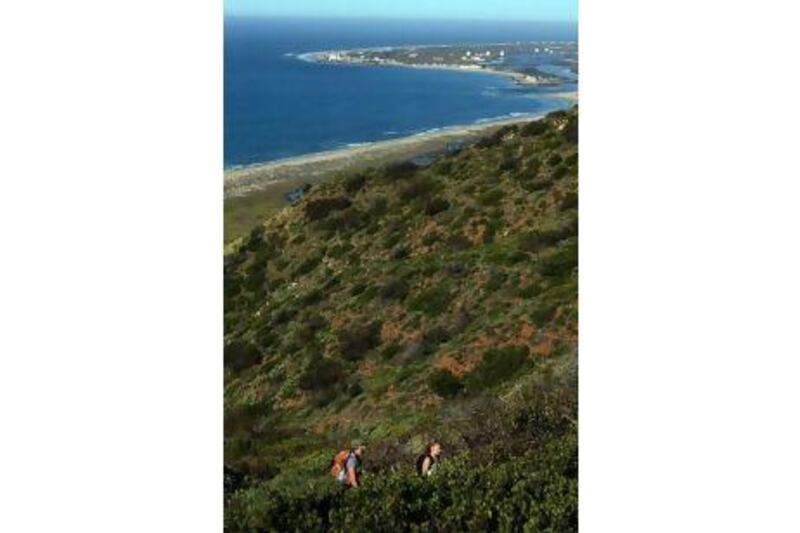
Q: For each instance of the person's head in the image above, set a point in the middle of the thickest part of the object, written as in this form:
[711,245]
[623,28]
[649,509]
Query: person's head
[433,449]
[357,447]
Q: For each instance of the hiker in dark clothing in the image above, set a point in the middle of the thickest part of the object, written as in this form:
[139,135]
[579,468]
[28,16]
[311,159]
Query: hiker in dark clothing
[427,462]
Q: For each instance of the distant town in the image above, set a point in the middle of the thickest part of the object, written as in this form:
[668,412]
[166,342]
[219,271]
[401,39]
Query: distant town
[530,63]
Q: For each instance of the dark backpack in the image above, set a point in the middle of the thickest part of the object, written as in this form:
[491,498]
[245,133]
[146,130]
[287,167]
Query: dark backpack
[421,460]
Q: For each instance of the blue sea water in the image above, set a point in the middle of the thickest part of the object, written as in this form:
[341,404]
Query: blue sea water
[278,106]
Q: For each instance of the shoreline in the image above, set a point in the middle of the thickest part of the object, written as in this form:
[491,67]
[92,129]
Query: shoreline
[313,167]
[526,80]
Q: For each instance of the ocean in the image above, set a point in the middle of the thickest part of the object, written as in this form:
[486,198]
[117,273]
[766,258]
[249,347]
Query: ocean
[278,106]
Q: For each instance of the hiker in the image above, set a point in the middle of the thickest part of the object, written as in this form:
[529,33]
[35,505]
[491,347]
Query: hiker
[426,463]
[346,466]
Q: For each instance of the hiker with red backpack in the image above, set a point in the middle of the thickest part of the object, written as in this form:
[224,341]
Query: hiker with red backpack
[427,462]
[346,466]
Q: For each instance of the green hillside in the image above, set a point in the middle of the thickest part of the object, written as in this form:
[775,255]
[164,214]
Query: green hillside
[401,304]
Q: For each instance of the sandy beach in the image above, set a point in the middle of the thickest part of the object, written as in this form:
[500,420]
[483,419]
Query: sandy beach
[256,191]
[314,167]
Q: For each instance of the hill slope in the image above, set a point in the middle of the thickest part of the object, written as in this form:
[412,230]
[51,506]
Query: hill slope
[402,304]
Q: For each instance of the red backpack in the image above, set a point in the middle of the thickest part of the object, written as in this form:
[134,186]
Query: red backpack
[338,462]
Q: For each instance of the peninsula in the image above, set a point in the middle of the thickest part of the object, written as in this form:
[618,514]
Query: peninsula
[528,63]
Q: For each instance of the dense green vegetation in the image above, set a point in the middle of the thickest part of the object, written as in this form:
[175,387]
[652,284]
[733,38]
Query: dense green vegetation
[401,304]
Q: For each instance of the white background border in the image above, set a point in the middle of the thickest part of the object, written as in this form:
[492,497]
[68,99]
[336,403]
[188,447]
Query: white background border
[110,213]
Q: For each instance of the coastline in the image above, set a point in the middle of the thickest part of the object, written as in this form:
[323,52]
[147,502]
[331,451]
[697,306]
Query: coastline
[257,191]
[316,166]
[518,77]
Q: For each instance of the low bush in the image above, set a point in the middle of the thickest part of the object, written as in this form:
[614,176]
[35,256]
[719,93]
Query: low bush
[554,159]
[508,164]
[531,129]
[445,384]
[497,137]
[498,364]
[542,313]
[394,289]
[355,182]
[430,238]
[321,372]
[491,197]
[432,301]
[320,208]
[358,339]
[436,205]
[559,172]
[416,188]
[239,355]
[530,492]
[570,200]
[571,130]
[571,159]
[307,265]
[533,241]
[458,242]
[403,170]
[562,261]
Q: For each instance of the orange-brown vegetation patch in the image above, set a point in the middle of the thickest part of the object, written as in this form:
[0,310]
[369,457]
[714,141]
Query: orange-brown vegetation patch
[430,401]
[449,364]
[475,231]
[392,332]
[545,347]
[331,422]
[294,402]
[526,331]
[367,368]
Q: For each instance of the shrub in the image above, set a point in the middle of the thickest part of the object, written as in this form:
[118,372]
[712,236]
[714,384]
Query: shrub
[542,313]
[431,301]
[377,207]
[458,242]
[538,184]
[571,159]
[534,128]
[535,491]
[402,170]
[390,351]
[436,205]
[321,373]
[533,241]
[239,355]
[307,265]
[498,364]
[497,137]
[562,261]
[254,239]
[571,130]
[322,207]
[554,159]
[358,339]
[401,252]
[430,238]
[508,164]
[570,200]
[495,281]
[436,335]
[355,182]
[350,218]
[491,197]
[445,384]
[394,289]
[559,172]
[556,115]
[416,188]
[444,167]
